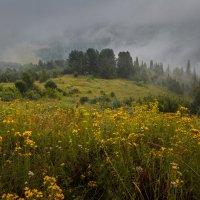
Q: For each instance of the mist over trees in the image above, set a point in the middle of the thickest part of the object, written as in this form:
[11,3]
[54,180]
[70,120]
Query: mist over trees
[104,64]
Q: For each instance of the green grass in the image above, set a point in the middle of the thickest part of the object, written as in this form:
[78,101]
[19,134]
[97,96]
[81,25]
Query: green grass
[135,153]
[93,87]
[121,87]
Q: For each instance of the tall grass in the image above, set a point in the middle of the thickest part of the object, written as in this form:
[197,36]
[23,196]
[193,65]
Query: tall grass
[47,152]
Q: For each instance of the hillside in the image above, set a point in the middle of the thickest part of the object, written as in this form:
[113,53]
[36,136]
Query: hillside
[123,88]
[92,88]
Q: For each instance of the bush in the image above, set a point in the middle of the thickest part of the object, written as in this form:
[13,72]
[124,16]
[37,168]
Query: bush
[167,103]
[50,84]
[128,101]
[21,86]
[26,77]
[9,94]
[74,91]
[195,107]
[32,95]
[83,100]
[102,99]
[51,93]
[112,94]
[75,74]
[36,89]
[116,104]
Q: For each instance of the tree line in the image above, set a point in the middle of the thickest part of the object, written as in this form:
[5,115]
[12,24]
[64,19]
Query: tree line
[104,64]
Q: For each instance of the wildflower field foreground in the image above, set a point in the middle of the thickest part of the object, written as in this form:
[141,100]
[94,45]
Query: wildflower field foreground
[48,152]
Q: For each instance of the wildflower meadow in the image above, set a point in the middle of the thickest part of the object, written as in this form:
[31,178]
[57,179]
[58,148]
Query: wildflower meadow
[137,152]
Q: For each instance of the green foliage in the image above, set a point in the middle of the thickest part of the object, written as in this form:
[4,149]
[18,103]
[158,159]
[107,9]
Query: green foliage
[112,94]
[101,99]
[43,76]
[92,61]
[173,85]
[124,64]
[167,103]
[135,153]
[27,79]
[32,95]
[50,84]
[128,101]
[21,86]
[77,61]
[9,94]
[116,104]
[74,91]
[52,93]
[195,107]
[75,74]
[83,100]
[107,63]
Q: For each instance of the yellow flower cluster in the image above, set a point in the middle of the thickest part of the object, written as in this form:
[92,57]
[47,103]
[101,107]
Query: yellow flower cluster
[9,196]
[8,121]
[53,190]
[33,194]
[92,184]
[25,145]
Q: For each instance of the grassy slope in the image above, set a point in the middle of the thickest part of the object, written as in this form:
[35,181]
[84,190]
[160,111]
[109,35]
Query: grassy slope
[92,87]
[122,88]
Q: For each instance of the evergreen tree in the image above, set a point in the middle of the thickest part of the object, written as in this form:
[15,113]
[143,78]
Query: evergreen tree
[107,63]
[77,61]
[188,69]
[92,57]
[194,75]
[151,64]
[124,64]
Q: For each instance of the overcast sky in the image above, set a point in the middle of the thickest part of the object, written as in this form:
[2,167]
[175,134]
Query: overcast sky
[162,30]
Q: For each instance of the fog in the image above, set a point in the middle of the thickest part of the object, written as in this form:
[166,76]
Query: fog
[166,31]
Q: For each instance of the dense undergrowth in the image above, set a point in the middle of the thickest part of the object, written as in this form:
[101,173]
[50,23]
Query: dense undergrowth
[47,152]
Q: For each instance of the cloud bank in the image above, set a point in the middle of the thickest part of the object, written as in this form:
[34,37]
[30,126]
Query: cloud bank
[167,31]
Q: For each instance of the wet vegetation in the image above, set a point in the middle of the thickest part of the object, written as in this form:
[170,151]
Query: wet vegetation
[97,127]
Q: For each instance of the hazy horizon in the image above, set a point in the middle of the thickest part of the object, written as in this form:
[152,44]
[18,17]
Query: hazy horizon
[166,31]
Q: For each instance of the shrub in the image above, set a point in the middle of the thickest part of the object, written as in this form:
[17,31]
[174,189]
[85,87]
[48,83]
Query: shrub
[83,100]
[128,101]
[9,94]
[116,104]
[101,99]
[51,93]
[32,95]
[50,84]
[27,79]
[36,89]
[166,103]
[74,91]
[75,74]
[21,86]
[112,94]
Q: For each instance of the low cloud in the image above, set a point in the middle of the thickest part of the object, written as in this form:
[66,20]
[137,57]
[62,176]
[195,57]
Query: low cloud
[167,31]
